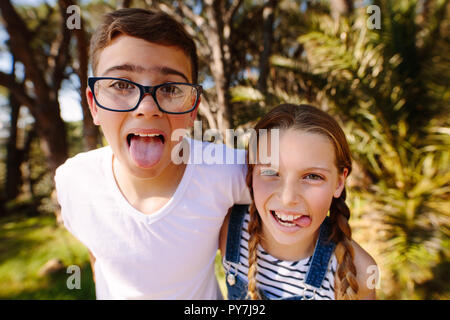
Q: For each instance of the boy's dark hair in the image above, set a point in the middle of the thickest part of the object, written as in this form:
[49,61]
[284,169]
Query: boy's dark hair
[150,25]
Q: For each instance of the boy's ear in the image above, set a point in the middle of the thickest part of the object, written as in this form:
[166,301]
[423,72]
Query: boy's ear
[92,106]
[194,113]
[341,183]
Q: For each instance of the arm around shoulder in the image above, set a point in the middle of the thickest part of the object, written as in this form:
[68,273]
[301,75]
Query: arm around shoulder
[367,273]
[224,233]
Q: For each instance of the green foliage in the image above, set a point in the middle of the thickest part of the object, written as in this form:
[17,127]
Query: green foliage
[388,88]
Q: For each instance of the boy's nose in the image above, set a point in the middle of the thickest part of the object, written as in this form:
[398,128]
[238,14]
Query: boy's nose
[148,108]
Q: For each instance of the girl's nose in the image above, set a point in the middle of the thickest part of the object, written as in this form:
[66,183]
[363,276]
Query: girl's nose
[148,108]
[289,194]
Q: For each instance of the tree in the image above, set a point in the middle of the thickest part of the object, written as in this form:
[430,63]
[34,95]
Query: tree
[264,61]
[44,72]
[91,134]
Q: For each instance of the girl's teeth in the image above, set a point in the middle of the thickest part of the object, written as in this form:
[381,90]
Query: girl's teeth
[285,217]
[286,224]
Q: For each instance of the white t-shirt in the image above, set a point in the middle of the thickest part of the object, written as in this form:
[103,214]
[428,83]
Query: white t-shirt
[168,254]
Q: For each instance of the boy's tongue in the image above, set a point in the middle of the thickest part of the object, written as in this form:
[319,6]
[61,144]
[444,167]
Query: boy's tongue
[146,151]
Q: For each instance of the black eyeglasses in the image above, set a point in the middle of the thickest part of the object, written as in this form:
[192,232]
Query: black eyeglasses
[122,95]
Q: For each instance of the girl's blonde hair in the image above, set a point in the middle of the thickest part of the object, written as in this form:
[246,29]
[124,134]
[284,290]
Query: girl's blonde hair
[310,119]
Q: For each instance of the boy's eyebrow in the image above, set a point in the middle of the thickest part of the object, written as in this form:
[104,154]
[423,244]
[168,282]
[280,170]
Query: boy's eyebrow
[125,67]
[139,69]
[167,70]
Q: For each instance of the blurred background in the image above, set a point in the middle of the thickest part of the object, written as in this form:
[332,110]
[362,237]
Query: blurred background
[382,68]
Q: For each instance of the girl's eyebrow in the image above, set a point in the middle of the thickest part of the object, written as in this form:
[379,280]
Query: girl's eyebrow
[138,69]
[268,165]
[318,168]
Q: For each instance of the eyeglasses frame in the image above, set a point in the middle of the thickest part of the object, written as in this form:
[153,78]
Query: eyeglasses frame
[144,90]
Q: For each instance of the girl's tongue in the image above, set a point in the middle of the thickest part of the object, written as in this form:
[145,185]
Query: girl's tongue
[146,151]
[303,221]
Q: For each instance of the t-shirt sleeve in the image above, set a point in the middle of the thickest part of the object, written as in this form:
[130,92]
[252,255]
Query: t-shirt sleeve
[62,194]
[241,193]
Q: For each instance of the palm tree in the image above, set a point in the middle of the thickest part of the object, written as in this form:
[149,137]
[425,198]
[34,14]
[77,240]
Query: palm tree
[390,88]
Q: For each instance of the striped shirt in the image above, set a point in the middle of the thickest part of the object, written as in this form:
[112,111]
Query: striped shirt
[280,278]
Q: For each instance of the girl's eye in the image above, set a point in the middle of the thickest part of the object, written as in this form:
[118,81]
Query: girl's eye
[268,172]
[313,176]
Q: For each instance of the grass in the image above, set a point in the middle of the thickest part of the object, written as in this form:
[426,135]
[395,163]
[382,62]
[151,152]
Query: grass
[27,243]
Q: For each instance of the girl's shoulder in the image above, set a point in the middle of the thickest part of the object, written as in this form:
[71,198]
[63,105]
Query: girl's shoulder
[367,272]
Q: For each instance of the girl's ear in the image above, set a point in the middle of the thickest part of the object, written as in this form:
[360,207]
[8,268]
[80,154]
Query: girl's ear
[341,183]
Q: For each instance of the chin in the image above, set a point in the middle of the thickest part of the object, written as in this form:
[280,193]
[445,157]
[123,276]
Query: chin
[288,239]
[147,173]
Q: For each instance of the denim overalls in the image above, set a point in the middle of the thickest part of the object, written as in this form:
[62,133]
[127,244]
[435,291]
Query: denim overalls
[237,287]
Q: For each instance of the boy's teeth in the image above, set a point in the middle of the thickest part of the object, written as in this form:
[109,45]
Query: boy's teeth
[146,134]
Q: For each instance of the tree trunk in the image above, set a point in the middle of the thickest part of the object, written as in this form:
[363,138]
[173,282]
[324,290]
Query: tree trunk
[91,133]
[264,63]
[52,132]
[14,155]
[224,118]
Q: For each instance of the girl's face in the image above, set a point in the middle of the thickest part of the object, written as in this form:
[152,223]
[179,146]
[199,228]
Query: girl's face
[294,198]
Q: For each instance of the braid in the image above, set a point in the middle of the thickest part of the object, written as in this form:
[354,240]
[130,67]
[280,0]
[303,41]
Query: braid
[254,229]
[346,286]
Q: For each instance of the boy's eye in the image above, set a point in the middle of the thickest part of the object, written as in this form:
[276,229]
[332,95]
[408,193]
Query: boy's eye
[268,172]
[122,85]
[171,90]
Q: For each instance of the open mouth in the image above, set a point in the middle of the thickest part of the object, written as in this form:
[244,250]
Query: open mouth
[146,149]
[288,220]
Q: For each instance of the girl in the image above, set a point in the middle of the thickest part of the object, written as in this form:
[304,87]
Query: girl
[283,246]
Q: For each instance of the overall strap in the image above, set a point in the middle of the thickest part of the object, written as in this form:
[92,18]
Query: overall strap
[321,257]
[234,232]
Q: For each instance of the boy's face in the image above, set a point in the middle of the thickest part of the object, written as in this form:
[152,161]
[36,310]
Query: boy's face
[149,64]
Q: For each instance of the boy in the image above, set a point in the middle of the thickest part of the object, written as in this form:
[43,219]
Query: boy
[151,225]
